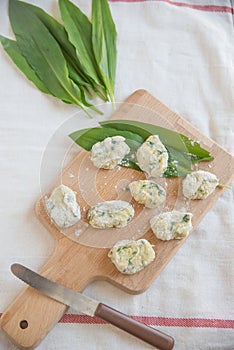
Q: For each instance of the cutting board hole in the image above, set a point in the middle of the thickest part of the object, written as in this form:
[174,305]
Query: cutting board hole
[23,324]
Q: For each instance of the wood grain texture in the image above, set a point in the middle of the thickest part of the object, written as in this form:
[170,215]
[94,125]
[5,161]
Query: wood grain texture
[75,263]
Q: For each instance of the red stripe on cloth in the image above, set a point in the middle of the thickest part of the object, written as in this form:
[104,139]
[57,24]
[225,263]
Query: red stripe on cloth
[156,321]
[208,8]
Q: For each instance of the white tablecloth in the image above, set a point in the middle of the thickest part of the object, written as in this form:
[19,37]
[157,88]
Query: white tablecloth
[182,52]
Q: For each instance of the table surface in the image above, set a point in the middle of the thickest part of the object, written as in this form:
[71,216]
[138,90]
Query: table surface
[182,52]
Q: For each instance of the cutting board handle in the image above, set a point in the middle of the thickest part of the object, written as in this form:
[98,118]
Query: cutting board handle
[31,315]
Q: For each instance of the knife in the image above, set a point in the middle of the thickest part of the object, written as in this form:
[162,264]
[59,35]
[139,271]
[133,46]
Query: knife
[91,307]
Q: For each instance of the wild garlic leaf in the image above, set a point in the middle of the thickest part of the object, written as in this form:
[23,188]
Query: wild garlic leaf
[177,156]
[104,43]
[79,30]
[179,161]
[87,104]
[178,164]
[13,51]
[86,138]
[126,125]
[176,170]
[128,163]
[168,137]
[43,53]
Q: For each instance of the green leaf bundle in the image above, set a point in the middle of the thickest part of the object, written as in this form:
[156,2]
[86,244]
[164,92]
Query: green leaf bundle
[182,151]
[58,59]
[43,53]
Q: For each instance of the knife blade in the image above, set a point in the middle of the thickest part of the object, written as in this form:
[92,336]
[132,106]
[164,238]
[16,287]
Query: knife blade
[91,307]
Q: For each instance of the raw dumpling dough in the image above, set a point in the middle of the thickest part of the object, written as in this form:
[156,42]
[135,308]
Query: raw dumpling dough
[152,156]
[131,256]
[108,214]
[147,192]
[108,153]
[62,206]
[171,225]
[199,184]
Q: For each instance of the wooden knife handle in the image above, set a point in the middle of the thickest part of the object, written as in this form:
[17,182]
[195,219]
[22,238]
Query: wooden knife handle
[140,330]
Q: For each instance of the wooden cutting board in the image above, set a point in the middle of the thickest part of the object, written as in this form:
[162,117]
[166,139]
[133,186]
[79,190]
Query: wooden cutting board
[77,263]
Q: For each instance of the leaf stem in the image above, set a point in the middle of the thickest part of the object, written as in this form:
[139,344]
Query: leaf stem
[224,186]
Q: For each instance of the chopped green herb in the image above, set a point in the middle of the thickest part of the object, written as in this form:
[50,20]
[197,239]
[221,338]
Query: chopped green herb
[161,192]
[186,218]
